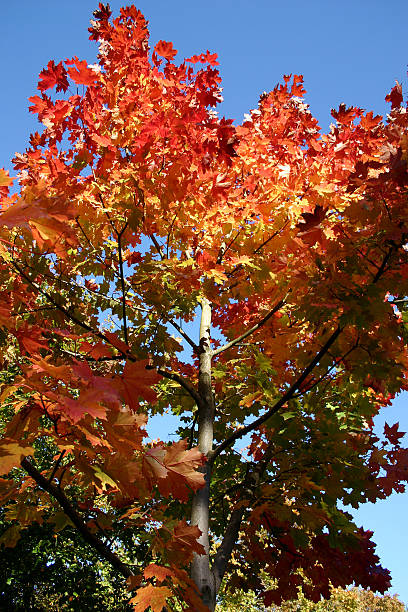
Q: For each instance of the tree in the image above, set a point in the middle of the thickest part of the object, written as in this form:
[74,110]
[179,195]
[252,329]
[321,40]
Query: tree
[58,571]
[341,600]
[139,210]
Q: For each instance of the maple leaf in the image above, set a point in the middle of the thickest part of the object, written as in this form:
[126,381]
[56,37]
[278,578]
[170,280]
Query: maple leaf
[392,433]
[210,58]
[62,372]
[5,179]
[80,72]
[137,382]
[11,536]
[151,597]
[369,122]
[311,220]
[87,403]
[54,74]
[158,572]
[96,351]
[345,115]
[30,339]
[117,342]
[11,453]
[165,49]
[185,538]
[175,469]
[395,96]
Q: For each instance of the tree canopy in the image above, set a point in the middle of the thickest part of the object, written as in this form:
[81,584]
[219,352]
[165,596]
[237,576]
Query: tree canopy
[137,210]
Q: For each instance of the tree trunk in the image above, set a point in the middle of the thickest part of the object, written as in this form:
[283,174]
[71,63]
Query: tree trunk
[200,568]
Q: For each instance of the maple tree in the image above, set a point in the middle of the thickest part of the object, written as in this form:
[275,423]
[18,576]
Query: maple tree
[139,210]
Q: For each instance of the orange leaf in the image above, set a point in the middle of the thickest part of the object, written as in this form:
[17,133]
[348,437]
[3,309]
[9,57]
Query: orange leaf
[157,571]
[175,469]
[150,596]
[11,454]
[5,179]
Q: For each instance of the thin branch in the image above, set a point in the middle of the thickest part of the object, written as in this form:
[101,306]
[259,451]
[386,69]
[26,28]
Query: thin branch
[223,555]
[265,242]
[383,265]
[158,247]
[180,380]
[335,364]
[250,331]
[191,440]
[225,249]
[169,236]
[76,519]
[56,466]
[182,333]
[282,401]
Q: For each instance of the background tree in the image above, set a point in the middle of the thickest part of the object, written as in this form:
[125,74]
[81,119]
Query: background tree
[140,210]
[341,600]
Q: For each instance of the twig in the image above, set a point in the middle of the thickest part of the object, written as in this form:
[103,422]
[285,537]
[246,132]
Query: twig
[56,466]
[180,380]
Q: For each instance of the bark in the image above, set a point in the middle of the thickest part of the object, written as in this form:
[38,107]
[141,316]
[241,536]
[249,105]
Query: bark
[200,568]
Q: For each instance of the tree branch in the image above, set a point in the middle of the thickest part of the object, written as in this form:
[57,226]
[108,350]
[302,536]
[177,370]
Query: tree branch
[250,331]
[182,333]
[56,466]
[180,380]
[223,554]
[70,316]
[281,402]
[76,519]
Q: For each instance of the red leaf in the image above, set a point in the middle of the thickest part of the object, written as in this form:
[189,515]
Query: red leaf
[117,343]
[395,96]
[54,74]
[368,121]
[96,351]
[81,73]
[392,433]
[210,58]
[87,403]
[311,219]
[345,115]
[158,571]
[30,339]
[138,382]
[165,49]
[103,141]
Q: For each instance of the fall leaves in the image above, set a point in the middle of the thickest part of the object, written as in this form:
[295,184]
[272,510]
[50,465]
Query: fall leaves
[136,205]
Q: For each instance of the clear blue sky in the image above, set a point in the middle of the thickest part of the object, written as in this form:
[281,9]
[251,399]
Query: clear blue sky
[348,51]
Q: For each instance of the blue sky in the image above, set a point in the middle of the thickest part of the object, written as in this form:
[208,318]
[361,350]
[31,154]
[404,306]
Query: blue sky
[349,51]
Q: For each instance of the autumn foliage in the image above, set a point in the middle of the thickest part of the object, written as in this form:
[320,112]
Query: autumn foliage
[136,210]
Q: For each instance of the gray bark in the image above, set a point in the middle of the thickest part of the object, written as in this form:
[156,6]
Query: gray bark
[200,568]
